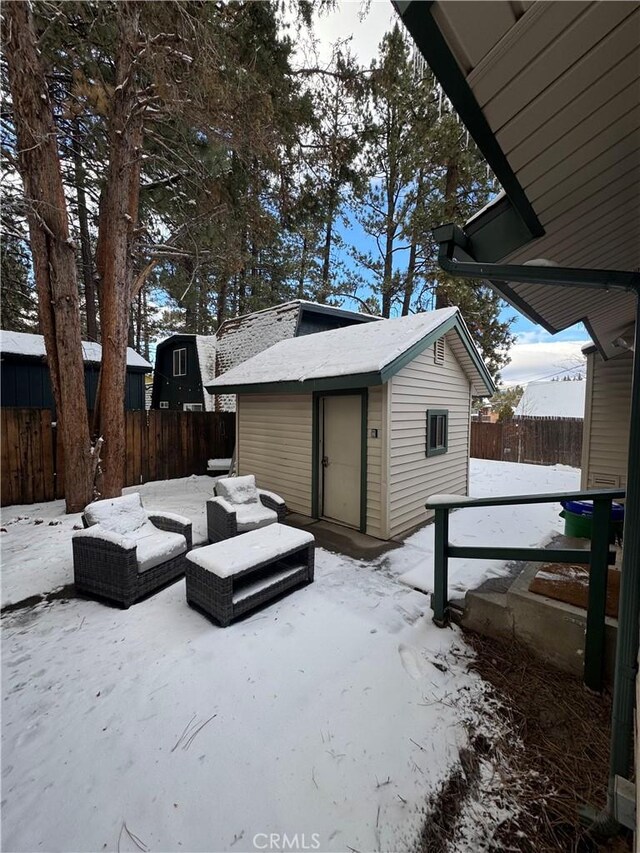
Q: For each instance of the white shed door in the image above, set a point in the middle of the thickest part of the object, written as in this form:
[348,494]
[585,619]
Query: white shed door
[341,458]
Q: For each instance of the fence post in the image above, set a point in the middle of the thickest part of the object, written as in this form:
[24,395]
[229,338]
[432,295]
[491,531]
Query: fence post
[440,598]
[597,603]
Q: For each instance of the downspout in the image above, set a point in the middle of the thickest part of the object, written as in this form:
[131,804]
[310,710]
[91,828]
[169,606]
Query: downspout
[453,241]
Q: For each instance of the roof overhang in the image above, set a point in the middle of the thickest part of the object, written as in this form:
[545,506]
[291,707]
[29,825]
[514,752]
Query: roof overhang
[458,336]
[549,92]
[330,310]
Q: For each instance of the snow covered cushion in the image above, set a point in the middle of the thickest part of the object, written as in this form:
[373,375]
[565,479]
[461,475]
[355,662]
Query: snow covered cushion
[238,490]
[120,515]
[254,516]
[157,546]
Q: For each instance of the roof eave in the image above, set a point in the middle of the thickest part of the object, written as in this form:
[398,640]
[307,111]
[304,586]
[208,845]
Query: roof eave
[365,380]
[515,222]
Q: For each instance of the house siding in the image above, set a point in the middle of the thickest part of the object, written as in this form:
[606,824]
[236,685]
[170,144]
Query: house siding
[274,438]
[606,428]
[419,386]
[376,472]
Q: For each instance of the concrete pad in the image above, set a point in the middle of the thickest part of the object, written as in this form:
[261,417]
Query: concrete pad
[342,540]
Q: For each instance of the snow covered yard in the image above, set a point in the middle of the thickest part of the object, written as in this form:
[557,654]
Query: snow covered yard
[338,711]
[523,526]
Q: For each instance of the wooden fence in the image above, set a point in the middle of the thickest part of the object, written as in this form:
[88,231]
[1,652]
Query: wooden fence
[542,441]
[160,445]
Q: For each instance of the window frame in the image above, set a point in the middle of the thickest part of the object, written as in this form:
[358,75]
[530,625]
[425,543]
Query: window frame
[431,416]
[164,404]
[188,407]
[179,352]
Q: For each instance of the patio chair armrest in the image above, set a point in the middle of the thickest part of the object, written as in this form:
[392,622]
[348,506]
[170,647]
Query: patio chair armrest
[274,502]
[98,536]
[172,523]
[222,522]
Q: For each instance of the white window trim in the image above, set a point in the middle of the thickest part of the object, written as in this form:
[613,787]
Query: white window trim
[164,404]
[192,407]
[178,352]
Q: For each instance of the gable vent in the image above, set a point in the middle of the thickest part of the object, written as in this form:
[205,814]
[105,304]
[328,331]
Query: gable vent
[438,351]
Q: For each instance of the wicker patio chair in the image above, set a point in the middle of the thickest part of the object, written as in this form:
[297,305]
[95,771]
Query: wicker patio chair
[238,507]
[125,552]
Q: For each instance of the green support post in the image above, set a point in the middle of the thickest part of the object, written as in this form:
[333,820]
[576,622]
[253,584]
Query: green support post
[596,609]
[440,600]
[629,607]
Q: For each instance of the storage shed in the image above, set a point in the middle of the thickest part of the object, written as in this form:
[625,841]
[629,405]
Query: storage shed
[361,424]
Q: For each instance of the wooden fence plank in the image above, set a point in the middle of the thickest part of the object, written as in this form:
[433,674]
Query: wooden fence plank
[541,441]
[159,445]
[48,469]
[5,481]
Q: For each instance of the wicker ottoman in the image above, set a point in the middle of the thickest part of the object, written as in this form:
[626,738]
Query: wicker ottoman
[229,578]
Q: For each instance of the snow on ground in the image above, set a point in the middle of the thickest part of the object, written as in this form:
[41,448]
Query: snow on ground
[321,714]
[339,710]
[524,526]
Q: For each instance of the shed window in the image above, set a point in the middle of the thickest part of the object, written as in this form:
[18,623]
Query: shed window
[180,362]
[192,407]
[437,431]
[438,351]
[164,404]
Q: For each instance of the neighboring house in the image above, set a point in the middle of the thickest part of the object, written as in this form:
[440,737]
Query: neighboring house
[25,377]
[361,424]
[186,363]
[552,400]
[485,414]
[605,436]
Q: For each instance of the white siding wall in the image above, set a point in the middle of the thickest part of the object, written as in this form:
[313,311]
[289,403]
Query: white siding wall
[419,386]
[606,428]
[376,470]
[274,443]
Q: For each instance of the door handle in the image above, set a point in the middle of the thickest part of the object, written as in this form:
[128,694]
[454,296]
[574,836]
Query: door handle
[325,461]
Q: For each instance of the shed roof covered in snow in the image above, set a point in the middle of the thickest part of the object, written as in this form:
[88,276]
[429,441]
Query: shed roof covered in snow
[361,355]
[32,346]
[552,400]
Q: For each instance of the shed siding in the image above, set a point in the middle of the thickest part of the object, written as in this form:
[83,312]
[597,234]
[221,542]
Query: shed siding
[607,422]
[375,516]
[419,386]
[274,435]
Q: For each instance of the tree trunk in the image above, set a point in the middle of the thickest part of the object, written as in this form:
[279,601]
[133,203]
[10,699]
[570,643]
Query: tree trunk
[410,277]
[325,289]
[222,301]
[450,210]
[53,253]
[303,268]
[118,218]
[85,239]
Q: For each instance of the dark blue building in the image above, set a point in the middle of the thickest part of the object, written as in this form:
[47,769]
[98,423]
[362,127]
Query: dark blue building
[24,373]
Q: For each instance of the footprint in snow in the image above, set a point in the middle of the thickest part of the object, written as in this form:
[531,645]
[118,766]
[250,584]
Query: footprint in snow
[414,664]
